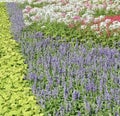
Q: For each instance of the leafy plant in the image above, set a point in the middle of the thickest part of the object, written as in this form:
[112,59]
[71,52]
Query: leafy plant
[55,29]
[16,97]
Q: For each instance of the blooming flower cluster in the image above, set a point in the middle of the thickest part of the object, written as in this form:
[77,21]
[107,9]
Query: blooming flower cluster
[70,79]
[72,11]
[16,20]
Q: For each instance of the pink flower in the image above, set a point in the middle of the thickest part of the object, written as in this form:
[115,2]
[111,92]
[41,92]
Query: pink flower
[27,9]
[37,18]
[104,5]
[111,2]
[88,5]
[63,14]
[64,2]
[96,21]
[76,17]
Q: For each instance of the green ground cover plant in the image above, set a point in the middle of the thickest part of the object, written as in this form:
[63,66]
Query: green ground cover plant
[16,98]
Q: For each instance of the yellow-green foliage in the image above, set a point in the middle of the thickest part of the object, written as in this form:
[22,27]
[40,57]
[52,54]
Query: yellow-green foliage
[16,97]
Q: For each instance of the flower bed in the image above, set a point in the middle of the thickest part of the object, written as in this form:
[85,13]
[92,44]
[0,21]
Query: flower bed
[73,80]
[75,19]
[73,55]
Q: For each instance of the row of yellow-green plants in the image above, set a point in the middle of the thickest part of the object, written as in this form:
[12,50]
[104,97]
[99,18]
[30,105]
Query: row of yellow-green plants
[16,97]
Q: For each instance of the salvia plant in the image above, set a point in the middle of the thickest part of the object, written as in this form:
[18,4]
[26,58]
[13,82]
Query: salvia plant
[16,18]
[70,78]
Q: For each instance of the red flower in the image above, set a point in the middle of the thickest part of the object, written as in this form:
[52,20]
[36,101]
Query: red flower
[113,18]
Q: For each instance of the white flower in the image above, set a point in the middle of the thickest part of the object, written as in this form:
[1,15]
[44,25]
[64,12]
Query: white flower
[87,21]
[29,1]
[24,10]
[111,27]
[108,8]
[107,20]
[96,20]
[34,10]
[90,18]
[83,26]
[27,23]
[43,27]
[32,18]
[115,22]
[94,27]
[84,15]
[26,15]
[115,34]
[103,26]
[101,17]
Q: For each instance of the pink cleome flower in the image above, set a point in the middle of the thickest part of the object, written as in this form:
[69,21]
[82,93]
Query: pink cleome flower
[37,18]
[64,2]
[27,9]
[76,17]
[63,14]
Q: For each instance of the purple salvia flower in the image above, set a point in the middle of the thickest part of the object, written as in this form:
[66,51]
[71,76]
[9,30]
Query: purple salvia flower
[98,100]
[41,102]
[40,77]
[112,91]
[91,87]
[107,95]
[55,92]
[68,106]
[57,113]
[61,71]
[32,76]
[50,80]
[38,35]
[57,79]
[61,113]
[87,105]
[79,114]
[117,80]
[65,92]
[75,95]
[62,49]
[117,114]
[101,85]
[47,87]
[108,105]
[42,92]
[70,83]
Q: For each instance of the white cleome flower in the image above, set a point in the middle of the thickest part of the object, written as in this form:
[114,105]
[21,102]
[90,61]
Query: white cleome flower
[101,17]
[107,20]
[94,27]
[83,26]
[103,24]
